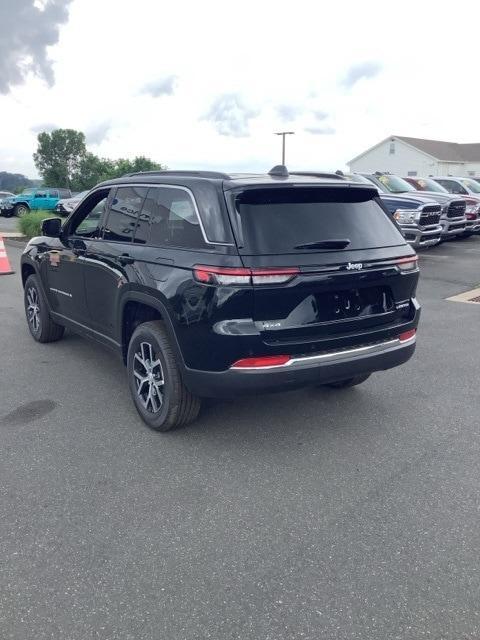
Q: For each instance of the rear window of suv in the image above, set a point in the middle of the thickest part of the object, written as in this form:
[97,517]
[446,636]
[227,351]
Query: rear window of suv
[284,220]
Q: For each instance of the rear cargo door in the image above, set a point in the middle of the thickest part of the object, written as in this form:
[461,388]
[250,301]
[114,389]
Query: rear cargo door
[323,261]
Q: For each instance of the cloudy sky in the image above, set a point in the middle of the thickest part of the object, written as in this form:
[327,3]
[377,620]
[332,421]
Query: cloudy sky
[206,83]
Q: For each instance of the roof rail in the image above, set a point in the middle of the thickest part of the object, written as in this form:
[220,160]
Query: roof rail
[318,174]
[193,174]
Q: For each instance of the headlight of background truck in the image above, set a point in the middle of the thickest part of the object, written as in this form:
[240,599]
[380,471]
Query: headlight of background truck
[405,216]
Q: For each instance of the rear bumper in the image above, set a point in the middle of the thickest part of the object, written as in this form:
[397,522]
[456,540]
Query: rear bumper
[301,371]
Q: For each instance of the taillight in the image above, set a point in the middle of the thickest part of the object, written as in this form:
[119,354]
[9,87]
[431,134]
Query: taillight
[407,335]
[260,362]
[243,276]
[407,264]
[274,276]
[221,275]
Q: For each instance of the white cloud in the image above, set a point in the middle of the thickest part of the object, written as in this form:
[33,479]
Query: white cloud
[43,126]
[320,131]
[230,115]
[164,86]
[289,112]
[28,28]
[97,133]
[239,78]
[361,71]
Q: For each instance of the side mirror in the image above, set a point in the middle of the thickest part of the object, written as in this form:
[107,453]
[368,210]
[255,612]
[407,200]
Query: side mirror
[52,227]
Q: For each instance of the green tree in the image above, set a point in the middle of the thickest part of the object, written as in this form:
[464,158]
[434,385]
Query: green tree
[91,171]
[59,155]
[123,166]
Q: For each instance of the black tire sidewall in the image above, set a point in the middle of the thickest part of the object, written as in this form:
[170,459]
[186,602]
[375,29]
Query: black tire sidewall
[29,284]
[158,421]
[17,208]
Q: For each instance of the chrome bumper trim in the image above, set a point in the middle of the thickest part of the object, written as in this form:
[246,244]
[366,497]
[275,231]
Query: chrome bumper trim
[336,356]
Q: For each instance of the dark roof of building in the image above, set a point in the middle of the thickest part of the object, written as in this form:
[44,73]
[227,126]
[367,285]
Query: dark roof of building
[447,151]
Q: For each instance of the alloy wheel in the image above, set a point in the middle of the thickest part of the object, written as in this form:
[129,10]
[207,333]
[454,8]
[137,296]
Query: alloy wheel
[33,309]
[149,378]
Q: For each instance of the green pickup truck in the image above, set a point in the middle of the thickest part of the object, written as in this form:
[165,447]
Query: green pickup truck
[43,198]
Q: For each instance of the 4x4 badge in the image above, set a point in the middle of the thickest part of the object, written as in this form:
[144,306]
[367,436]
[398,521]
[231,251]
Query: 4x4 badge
[354,266]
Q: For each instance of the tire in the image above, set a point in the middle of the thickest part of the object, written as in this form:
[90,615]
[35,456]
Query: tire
[349,382]
[40,323]
[20,210]
[159,395]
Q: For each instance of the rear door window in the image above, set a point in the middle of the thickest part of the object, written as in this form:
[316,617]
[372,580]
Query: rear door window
[169,218]
[123,213]
[294,220]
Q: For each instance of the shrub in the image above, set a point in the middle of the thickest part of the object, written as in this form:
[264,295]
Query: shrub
[30,224]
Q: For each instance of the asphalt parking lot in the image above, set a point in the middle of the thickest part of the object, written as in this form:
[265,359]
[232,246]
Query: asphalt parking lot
[313,514]
[8,225]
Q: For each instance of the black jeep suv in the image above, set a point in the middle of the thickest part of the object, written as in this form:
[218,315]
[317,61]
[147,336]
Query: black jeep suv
[211,284]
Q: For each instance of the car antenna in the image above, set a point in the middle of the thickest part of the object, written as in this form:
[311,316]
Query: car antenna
[279,171]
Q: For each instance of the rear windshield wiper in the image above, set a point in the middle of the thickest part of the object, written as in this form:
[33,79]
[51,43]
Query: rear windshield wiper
[325,244]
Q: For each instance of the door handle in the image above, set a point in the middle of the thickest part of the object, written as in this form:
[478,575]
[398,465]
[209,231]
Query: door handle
[125,259]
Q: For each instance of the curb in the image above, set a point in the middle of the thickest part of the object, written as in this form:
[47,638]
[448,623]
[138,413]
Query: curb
[16,242]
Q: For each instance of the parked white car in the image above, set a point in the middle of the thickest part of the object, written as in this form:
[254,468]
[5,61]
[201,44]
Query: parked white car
[65,206]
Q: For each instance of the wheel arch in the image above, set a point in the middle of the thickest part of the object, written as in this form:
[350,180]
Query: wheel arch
[137,308]
[27,270]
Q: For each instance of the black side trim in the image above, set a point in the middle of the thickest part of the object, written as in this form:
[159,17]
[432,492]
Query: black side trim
[82,329]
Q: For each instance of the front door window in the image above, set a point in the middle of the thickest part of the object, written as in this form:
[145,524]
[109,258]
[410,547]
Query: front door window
[90,225]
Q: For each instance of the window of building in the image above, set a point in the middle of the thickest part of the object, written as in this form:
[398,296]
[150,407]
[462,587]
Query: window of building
[412,173]
[392,148]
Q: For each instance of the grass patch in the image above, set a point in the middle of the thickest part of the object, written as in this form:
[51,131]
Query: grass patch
[30,224]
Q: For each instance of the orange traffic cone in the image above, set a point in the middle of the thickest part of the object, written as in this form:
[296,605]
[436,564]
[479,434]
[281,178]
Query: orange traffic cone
[5,267]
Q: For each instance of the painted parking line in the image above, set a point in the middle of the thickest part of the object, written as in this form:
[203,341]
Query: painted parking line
[470,297]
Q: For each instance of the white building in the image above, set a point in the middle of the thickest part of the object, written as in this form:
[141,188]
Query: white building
[417,157]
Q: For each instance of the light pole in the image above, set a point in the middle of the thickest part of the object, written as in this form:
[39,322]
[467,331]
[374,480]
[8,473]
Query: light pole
[283,134]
